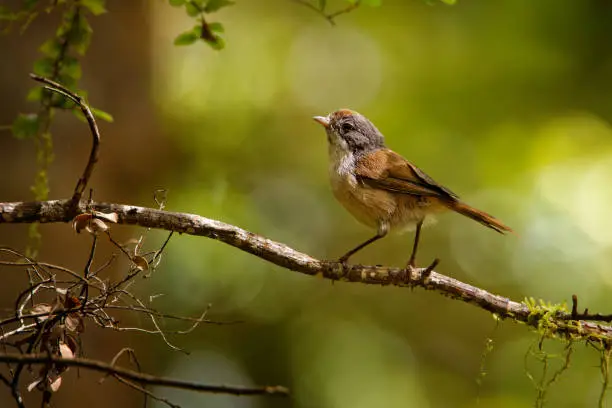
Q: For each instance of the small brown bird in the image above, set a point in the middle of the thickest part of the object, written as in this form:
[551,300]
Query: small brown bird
[382,189]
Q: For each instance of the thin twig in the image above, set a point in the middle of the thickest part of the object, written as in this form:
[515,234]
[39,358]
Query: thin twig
[146,392]
[345,10]
[154,312]
[197,322]
[605,374]
[36,264]
[37,315]
[93,127]
[141,378]
[330,17]
[132,357]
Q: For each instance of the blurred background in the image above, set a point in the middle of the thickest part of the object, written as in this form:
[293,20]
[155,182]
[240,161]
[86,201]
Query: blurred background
[505,102]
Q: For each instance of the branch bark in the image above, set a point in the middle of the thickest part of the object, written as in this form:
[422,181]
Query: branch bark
[557,322]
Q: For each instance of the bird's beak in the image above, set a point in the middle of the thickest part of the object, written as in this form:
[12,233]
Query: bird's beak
[324,120]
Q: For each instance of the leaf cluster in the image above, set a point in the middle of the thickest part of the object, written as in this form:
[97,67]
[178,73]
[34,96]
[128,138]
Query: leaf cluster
[59,60]
[210,33]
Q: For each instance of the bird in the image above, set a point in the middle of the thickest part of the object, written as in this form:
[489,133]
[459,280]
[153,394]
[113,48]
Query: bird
[382,189]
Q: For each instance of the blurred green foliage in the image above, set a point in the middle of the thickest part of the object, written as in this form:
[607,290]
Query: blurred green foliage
[210,33]
[504,102]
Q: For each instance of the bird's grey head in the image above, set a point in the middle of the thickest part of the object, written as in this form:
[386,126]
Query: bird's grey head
[350,131]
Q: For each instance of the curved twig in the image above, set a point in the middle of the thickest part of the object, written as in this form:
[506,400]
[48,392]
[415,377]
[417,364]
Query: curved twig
[95,133]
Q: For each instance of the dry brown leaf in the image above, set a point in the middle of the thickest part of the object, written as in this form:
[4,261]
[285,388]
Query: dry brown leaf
[96,225]
[34,384]
[74,323]
[71,301]
[140,262]
[55,384]
[81,222]
[93,223]
[110,217]
[41,308]
[72,343]
[65,351]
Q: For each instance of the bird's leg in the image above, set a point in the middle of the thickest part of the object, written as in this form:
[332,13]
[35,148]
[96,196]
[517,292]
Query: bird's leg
[383,229]
[415,245]
[344,258]
[412,262]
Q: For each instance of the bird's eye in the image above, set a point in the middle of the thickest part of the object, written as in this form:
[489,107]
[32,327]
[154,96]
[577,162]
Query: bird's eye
[347,127]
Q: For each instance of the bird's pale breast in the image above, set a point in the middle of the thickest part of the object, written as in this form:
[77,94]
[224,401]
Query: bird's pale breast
[374,207]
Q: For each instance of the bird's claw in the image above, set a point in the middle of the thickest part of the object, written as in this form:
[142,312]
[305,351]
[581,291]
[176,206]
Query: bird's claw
[406,274]
[344,268]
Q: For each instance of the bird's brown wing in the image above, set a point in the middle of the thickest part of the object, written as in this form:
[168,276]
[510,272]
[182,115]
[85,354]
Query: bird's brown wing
[387,170]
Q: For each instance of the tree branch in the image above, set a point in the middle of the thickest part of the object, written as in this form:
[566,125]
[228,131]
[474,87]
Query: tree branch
[93,127]
[555,322]
[141,378]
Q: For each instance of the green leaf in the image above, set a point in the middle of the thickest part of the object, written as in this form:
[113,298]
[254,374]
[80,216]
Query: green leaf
[6,14]
[44,67]
[35,94]
[71,68]
[449,2]
[177,3]
[25,125]
[215,5]
[78,113]
[210,34]
[95,6]
[217,42]
[50,48]
[100,114]
[61,102]
[30,4]
[216,27]
[76,30]
[67,80]
[30,17]
[186,38]
[80,35]
[372,3]
[192,9]
[81,92]
[41,185]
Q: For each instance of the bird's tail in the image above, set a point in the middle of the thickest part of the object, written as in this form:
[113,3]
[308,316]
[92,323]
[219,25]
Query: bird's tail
[479,216]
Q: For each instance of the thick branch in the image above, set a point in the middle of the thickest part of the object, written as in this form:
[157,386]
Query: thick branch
[288,258]
[140,378]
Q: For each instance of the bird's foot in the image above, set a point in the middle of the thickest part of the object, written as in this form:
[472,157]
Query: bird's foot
[344,268]
[407,273]
[343,261]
